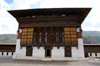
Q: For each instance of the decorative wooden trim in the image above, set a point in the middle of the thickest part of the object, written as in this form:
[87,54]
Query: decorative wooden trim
[49,45]
[19,36]
[27,26]
[79,35]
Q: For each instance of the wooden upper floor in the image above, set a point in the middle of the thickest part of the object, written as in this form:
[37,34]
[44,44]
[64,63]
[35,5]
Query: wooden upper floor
[50,16]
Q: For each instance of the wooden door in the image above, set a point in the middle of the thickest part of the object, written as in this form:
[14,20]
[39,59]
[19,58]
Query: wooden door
[29,51]
[47,52]
[67,51]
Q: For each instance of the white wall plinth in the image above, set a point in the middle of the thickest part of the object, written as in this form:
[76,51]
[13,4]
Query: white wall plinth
[57,53]
[19,52]
[68,59]
[9,53]
[78,53]
[0,53]
[4,53]
[93,55]
[98,54]
[38,52]
[89,54]
[47,59]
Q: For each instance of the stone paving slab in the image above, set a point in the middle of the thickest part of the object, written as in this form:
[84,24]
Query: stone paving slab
[8,61]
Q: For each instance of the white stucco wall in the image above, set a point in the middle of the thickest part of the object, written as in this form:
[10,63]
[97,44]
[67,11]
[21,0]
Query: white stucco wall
[38,52]
[58,53]
[20,30]
[0,53]
[4,53]
[78,29]
[93,54]
[89,54]
[9,53]
[98,54]
[78,53]
[19,52]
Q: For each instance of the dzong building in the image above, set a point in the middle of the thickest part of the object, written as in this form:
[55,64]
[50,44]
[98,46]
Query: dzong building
[50,33]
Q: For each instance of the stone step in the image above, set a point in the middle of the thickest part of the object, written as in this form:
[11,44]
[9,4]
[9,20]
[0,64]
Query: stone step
[47,59]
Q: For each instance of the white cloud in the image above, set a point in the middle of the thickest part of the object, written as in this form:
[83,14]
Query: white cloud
[66,3]
[92,21]
[23,4]
[8,24]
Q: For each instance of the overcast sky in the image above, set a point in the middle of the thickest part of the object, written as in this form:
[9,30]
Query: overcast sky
[9,25]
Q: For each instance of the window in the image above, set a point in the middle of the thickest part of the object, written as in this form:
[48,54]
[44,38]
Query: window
[61,33]
[67,35]
[48,30]
[42,35]
[36,35]
[46,39]
[30,36]
[34,39]
[73,36]
[27,36]
[24,36]
[54,30]
[40,39]
[49,35]
[70,35]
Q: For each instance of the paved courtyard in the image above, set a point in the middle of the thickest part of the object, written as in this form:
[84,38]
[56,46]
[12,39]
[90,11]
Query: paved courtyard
[8,61]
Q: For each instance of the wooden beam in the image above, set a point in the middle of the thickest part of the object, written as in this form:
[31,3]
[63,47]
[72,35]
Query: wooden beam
[25,26]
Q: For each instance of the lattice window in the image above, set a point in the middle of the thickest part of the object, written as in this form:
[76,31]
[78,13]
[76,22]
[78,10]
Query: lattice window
[42,35]
[61,33]
[24,36]
[54,30]
[70,35]
[36,35]
[27,36]
[48,30]
[73,36]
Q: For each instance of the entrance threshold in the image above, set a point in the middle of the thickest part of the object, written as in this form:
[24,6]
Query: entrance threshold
[47,59]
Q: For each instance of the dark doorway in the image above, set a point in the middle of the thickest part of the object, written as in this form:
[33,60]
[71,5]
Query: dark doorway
[48,52]
[68,51]
[86,55]
[29,51]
